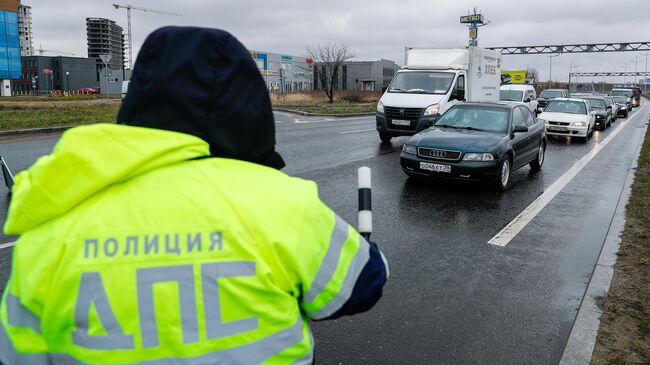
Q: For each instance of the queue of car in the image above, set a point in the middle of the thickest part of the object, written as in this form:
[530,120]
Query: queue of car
[465,126]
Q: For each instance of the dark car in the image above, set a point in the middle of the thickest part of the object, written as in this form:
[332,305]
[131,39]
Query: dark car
[603,112]
[615,107]
[549,94]
[624,105]
[477,142]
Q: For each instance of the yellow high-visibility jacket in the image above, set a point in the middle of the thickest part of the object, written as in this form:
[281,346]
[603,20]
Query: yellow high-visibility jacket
[137,248]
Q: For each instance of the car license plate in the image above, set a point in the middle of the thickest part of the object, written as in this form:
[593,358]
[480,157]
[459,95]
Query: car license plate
[435,167]
[401,122]
[556,128]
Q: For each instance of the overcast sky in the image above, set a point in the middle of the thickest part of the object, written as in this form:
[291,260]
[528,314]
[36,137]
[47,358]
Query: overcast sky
[374,29]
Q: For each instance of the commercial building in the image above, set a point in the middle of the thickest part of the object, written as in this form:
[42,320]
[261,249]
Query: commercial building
[25,30]
[284,73]
[364,75]
[9,45]
[41,74]
[105,37]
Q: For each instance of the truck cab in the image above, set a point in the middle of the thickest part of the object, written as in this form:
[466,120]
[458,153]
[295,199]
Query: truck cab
[432,81]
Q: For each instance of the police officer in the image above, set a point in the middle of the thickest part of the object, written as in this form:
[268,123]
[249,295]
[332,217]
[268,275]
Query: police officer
[172,237]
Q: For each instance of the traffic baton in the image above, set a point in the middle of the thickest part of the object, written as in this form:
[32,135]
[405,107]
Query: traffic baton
[365,202]
[6,174]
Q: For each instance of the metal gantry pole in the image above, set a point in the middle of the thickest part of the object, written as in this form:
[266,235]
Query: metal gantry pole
[645,83]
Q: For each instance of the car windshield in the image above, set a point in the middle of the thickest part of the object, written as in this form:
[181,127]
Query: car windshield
[475,118]
[566,106]
[511,95]
[627,93]
[421,82]
[550,94]
[597,103]
[620,99]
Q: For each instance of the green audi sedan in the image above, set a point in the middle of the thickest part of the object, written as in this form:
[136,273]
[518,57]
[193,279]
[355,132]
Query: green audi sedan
[477,142]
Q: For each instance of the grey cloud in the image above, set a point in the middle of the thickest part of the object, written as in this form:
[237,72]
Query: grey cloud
[372,29]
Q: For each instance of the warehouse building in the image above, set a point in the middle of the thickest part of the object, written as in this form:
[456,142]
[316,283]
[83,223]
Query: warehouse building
[105,37]
[9,45]
[42,74]
[364,75]
[284,73]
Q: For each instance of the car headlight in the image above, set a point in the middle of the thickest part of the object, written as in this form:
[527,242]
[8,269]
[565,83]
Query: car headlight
[409,149]
[478,157]
[598,116]
[380,107]
[580,124]
[432,109]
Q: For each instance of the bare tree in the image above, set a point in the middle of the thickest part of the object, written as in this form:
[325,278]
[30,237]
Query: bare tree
[328,60]
[532,73]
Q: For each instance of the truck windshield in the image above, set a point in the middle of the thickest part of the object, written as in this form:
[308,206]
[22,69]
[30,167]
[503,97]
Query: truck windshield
[475,118]
[550,94]
[566,106]
[511,95]
[597,103]
[421,82]
[627,93]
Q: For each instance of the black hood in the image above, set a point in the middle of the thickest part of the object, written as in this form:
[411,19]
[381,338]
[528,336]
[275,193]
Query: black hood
[205,83]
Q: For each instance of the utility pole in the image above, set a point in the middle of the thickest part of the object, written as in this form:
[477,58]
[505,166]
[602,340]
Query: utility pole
[645,82]
[550,68]
[128,17]
[636,58]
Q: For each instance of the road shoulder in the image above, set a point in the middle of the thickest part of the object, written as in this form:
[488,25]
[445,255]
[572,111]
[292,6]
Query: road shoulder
[582,340]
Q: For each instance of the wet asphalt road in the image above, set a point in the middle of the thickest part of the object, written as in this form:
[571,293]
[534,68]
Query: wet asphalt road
[452,297]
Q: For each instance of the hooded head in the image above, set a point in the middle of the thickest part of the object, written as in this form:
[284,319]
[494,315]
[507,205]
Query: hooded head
[205,83]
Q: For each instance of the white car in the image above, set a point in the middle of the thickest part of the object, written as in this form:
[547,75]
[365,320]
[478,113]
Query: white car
[519,94]
[569,117]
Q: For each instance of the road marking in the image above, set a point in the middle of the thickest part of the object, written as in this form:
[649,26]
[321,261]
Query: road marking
[7,245]
[517,225]
[342,119]
[358,131]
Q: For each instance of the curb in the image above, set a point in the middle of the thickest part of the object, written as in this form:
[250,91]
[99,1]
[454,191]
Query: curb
[582,339]
[300,112]
[21,132]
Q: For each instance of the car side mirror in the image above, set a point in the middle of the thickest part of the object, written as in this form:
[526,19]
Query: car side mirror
[520,129]
[527,100]
[609,107]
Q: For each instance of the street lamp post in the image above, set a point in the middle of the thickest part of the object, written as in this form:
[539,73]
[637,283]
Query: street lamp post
[635,67]
[550,68]
[67,81]
[645,83]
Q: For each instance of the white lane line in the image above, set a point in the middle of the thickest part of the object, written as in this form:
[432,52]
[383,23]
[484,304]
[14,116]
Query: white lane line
[358,131]
[7,245]
[517,225]
[327,120]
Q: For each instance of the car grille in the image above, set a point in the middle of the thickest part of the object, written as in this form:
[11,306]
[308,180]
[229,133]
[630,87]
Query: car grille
[403,113]
[438,154]
[558,123]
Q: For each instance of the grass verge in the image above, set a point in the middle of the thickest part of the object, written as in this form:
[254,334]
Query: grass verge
[57,117]
[624,335]
[334,109]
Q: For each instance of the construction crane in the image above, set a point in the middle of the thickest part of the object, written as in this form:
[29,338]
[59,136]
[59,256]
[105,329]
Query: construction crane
[128,15]
[41,51]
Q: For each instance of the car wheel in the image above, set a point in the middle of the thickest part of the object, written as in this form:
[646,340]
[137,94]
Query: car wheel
[503,175]
[385,137]
[626,114]
[537,163]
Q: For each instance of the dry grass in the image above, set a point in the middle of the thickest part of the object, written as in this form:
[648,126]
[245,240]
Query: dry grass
[624,336]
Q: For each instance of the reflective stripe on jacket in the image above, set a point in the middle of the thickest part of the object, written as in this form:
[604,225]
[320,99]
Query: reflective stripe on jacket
[136,250]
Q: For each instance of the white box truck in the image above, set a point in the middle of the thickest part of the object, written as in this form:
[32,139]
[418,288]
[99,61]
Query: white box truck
[431,82]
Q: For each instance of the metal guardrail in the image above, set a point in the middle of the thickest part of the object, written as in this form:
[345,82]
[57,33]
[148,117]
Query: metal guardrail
[630,73]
